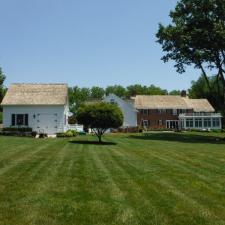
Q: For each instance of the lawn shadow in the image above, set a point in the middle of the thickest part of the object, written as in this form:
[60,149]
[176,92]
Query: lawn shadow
[92,142]
[181,137]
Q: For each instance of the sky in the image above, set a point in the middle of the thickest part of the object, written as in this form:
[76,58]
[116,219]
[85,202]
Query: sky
[87,43]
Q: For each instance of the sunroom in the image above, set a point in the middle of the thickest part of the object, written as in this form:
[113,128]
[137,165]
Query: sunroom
[200,121]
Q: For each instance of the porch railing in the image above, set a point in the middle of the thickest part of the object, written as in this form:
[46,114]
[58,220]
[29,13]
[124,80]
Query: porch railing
[200,114]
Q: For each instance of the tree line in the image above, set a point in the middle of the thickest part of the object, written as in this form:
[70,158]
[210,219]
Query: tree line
[79,95]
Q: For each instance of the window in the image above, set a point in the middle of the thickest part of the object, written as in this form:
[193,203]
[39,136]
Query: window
[112,101]
[144,111]
[189,123]
[174,111]
[19,120]
[216,122]
[13,120]
[160,122]
[181,111]
[207,122]
[145,123]
[198,122]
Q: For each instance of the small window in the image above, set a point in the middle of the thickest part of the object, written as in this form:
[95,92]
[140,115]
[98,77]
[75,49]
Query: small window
[13,120]
[145,123]
[174,111]
[189,123]
[216,122]
[207,122]
[112,101]
[198,122]
[20,120]
[160,122]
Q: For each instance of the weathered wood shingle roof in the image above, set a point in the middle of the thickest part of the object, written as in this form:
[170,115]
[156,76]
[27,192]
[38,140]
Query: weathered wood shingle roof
[171,102]
[160,102]
[36,94]
[199,105]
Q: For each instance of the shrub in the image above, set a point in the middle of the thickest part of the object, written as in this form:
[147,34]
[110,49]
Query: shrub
[72,120]
[69,133]
[17,129]
[217,131]
[43,135]
[33,134]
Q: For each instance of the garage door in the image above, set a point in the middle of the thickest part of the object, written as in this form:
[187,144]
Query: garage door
[47,123]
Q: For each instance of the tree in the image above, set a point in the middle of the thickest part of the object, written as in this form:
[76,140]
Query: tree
[100,117]
[97,92]
[196,37]
[153,90]
[199,89]
[175,92]
[118,90]
[77,96]
[136,89]
[2,89]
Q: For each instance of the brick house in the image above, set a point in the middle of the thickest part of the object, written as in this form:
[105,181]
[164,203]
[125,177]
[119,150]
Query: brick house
[168,111]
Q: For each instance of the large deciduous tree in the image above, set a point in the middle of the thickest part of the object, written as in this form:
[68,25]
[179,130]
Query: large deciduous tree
[196,36]
[199,89]
[97,92]
[2,90]
[117,90]
[100,117]
[77,96]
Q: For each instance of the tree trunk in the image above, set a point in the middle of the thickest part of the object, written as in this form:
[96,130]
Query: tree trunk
[100,138]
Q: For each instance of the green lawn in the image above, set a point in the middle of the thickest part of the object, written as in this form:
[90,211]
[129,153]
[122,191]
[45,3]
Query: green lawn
[176,179]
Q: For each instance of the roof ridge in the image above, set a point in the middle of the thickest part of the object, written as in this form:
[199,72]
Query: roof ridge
[38,84]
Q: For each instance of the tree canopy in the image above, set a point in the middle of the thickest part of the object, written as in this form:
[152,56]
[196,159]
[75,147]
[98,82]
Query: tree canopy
[78,96]
[2,89]
[196,36]
[199,89]
[100,117]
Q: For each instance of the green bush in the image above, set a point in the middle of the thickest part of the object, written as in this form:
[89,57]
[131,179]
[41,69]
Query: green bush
[17,129]
[69,133]
[217,131]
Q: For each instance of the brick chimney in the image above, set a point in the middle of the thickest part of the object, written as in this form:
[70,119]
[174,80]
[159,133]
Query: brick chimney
[183,93]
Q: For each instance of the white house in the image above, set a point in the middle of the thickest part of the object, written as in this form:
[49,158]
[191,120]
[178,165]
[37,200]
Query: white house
[42,107]
[127,108]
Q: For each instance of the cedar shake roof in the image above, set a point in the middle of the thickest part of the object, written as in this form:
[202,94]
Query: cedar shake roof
[36,94]
[160,102]
[199,105]
[171,102]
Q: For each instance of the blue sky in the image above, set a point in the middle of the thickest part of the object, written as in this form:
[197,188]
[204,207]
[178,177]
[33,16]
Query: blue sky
[86,43]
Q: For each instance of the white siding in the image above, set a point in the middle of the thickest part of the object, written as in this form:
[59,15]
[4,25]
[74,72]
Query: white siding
[58,114]
[129,112]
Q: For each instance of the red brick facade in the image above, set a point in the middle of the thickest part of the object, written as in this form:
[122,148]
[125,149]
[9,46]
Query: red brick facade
[157,118]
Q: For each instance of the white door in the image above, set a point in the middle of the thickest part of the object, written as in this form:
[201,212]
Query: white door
[47,123]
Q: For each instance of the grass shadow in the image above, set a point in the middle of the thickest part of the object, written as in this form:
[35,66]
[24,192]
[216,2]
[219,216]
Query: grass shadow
[92,143]
[181,137]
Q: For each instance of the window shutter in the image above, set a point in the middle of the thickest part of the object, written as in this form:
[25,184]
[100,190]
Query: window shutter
[13,120]
[26,119]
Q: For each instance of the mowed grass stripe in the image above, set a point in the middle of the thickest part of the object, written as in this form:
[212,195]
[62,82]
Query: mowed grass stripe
[178,192]
[135,181]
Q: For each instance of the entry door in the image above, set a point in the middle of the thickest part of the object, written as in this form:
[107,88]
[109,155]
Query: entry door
[172,124]
[47,123]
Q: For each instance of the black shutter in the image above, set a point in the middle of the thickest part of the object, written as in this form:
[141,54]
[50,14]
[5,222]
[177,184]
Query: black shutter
[26,119]
[13,120]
